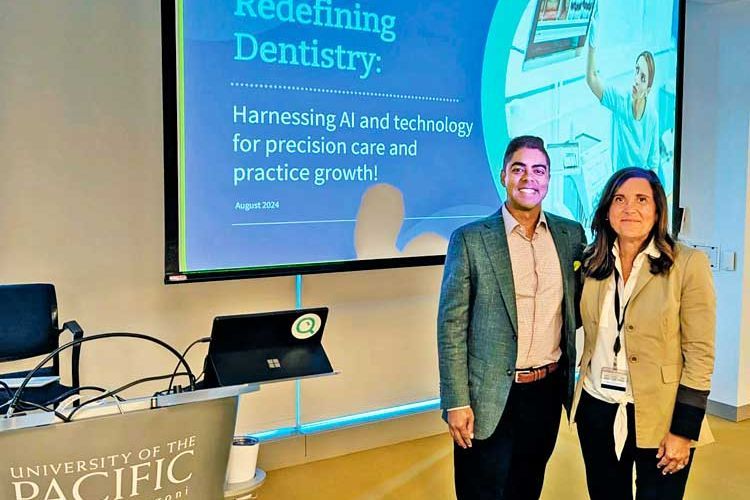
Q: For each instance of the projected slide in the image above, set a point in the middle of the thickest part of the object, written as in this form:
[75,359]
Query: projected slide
[329,131]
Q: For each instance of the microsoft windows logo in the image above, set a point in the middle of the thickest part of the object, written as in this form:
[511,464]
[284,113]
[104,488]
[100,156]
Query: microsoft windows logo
[273,363]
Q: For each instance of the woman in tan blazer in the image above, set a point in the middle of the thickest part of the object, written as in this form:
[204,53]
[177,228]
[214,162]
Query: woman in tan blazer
[649,318]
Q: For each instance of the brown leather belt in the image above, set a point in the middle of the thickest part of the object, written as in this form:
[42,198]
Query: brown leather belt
[534,374]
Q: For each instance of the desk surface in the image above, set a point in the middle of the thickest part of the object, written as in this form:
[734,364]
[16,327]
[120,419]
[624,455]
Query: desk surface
[107,407]
[235,490]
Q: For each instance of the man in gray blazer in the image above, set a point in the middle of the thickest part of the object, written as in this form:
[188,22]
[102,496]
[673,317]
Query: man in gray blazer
[506,333]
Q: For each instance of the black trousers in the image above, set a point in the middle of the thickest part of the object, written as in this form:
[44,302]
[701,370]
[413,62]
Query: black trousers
[610,479]
[510,464]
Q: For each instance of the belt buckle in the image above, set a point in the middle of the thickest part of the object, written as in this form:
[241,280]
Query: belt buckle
[520,372]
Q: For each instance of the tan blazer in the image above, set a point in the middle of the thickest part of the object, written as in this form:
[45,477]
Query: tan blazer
[670,324]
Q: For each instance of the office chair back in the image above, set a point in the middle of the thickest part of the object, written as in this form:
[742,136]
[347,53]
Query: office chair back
[28,321]
[29,327]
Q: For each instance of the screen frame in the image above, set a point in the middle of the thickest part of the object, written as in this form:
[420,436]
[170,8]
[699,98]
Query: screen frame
[677,210]
[171,145]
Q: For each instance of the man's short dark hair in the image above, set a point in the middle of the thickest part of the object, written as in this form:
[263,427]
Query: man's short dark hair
[524,141]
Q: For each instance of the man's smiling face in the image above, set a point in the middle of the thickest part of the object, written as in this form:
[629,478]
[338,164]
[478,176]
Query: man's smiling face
[526,179]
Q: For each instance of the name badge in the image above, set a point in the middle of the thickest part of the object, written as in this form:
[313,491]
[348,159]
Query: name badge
[615,380]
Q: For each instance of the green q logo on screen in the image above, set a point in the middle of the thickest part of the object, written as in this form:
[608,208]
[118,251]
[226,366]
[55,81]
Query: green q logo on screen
[306,326]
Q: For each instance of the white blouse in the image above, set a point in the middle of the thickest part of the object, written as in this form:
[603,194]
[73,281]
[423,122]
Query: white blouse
[603,355]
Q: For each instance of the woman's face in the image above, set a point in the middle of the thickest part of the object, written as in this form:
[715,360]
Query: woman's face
[632,213]
[640,85]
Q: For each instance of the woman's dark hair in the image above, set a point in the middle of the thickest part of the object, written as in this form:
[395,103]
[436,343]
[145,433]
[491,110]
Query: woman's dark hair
[598,260]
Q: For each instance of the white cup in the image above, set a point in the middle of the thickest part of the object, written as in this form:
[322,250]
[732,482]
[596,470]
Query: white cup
[242,459]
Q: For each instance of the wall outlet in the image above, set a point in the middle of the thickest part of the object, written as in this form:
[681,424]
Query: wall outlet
[728,260]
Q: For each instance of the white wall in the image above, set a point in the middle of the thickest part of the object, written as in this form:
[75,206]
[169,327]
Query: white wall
[716,122]
[81,206]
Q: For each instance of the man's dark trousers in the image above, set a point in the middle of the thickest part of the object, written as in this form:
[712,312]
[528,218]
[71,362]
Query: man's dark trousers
[510,464]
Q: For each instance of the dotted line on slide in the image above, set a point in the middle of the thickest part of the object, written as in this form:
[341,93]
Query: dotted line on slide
[343,92]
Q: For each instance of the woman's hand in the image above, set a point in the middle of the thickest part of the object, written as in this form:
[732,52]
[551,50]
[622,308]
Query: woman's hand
[592,25]
[674,452]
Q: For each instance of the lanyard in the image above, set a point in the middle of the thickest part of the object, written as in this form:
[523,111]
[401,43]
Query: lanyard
[620,321]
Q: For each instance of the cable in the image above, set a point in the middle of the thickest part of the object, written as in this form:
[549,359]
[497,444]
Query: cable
[122,388]
[75,390]
[198,379]
[16,396]
[77,401]
[201,340]
[49,410]
[22,406]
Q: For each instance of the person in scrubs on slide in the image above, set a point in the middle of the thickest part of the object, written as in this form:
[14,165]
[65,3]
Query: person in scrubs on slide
[635,120]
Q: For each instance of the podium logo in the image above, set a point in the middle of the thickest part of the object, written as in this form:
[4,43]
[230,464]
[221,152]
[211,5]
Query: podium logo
[156,472]
[306,326]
